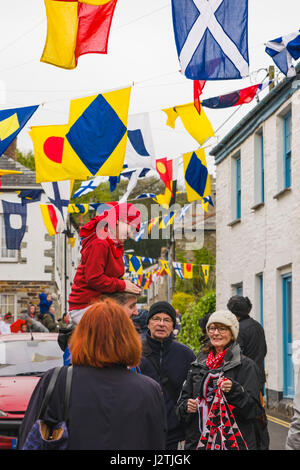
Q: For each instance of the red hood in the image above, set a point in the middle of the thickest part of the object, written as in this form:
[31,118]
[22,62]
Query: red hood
[15,393]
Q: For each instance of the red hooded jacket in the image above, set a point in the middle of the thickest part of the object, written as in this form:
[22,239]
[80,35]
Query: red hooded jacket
[101,265]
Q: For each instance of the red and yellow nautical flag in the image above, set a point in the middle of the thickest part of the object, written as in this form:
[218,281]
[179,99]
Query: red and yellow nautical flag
[74,28]
[50,219]
[187,271]
[164,168]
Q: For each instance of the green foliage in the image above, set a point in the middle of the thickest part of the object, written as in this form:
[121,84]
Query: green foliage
[26,159]
[190,332]
[196,286]
[181,301]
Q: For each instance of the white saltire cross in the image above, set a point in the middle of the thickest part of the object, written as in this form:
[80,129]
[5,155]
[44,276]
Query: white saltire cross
[280,46]
[207,19]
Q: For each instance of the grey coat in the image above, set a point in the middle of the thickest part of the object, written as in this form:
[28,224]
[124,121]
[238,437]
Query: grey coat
[293,438]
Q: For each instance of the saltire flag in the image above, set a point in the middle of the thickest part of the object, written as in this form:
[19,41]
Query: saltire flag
[145,196]
[236,98]
[30,195]
[12,122]
[78,208]
[197,179]
[74,28]
[140,149]
[15,217]
[187,271]
[198,89]
[205,270]
[167,220]
[135,264]
[59,194]
[184,210]
[152,223]
[88,186]
[92,143]
[178,269]
[51,221]
[197,125]
[283,50]
[165,268]
[211,38]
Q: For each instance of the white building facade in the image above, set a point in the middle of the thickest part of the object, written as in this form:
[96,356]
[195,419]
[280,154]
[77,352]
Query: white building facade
[258,228]
[43,263]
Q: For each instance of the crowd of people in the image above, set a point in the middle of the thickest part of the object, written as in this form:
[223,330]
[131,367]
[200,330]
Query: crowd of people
[134,385]
[40,318]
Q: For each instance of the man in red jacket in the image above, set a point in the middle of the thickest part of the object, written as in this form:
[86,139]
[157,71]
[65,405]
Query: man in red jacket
[102,265]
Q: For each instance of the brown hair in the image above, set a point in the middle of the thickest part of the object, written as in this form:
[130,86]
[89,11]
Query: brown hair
[105,336]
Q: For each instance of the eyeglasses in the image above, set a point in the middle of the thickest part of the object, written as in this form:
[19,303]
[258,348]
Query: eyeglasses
[164,320]
[220,329]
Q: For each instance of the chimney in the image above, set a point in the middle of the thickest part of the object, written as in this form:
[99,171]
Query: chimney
[11,152]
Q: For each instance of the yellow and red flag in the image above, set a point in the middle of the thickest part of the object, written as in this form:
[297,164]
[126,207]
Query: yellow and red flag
[74,28]
[187,271]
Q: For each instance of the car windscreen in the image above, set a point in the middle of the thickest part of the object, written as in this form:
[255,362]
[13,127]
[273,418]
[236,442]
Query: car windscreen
[29,357]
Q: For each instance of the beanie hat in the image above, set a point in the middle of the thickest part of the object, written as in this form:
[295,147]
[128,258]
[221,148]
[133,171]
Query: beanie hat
[226,318]
[239,305]
[162,307]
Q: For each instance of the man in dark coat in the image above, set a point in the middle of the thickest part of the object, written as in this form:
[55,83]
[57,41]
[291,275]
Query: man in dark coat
[253,344]
[167,361]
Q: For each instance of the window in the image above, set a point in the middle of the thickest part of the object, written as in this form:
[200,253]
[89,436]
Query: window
[5,254]
[238,186]
[260,303]
[259,168]
[237,289]
[8,303]
[287,137]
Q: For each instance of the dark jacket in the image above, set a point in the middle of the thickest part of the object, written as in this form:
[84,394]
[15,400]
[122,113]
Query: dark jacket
[252,341]
[244,394]
[174,359]
[49,323]
[110,408]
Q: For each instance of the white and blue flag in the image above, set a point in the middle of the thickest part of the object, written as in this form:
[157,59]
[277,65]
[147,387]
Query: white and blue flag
[139,149]
[178,269]
[212,38]
[283,50]
[89,186]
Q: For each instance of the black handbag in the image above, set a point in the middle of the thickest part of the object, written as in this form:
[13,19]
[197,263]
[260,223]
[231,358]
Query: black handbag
[46,436]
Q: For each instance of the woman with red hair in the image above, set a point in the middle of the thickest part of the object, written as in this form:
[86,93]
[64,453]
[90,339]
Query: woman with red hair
[102,264]
[110,407]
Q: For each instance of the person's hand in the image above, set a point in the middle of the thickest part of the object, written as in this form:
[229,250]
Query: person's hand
[192,406]
[226,385]
[131,288]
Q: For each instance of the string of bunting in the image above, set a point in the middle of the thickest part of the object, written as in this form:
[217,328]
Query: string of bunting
[134,268]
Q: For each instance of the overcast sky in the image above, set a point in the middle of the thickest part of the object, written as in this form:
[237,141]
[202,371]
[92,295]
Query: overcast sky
[141,50]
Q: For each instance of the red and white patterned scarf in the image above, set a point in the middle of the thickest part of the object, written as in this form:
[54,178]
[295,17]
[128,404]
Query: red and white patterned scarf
[214,362]
[221,431]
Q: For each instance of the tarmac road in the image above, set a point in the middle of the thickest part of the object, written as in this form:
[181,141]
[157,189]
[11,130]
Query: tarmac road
[278,430]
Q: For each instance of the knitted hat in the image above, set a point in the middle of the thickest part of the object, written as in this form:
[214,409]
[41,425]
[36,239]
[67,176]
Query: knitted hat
[162,307]
[239,305]
[226,318]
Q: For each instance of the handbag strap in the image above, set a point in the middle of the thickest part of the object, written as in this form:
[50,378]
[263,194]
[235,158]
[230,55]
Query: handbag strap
[68,391]
[49,391]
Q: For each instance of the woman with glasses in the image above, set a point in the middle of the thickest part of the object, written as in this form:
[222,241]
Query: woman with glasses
[219,401]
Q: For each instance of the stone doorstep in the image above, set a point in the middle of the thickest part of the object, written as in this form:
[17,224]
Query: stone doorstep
[282,409]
